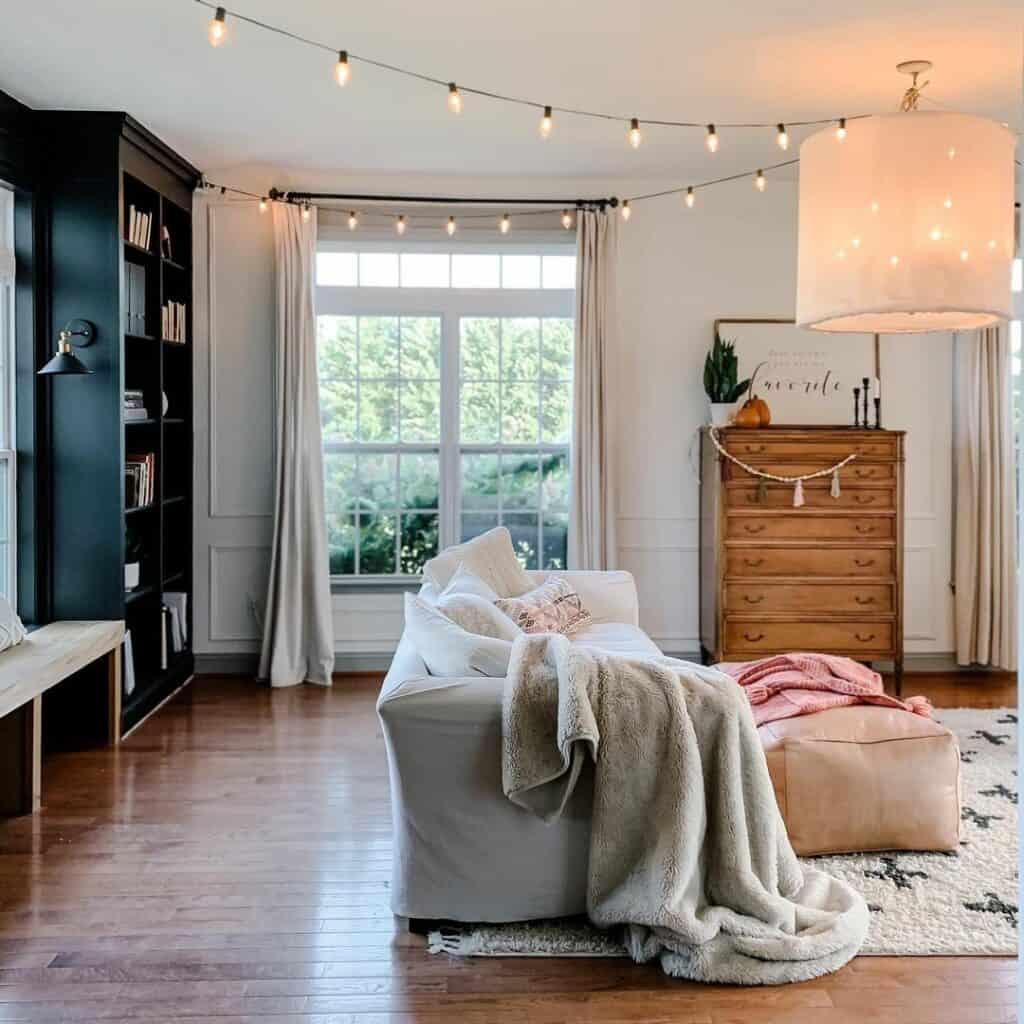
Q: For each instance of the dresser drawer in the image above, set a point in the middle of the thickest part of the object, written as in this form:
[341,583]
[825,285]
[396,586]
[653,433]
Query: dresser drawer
[856,472]
[809,561]
[816,495]
[753,636]
[804,527]
[743,596]
[748,448]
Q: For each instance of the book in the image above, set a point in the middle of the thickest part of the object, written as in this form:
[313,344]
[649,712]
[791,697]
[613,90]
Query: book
[132,414]
[165,243]
[177,602]
[139,480]
[129,664]
[132,217]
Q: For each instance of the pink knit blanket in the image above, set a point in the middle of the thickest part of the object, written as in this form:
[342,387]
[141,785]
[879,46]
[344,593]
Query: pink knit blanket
[788,685]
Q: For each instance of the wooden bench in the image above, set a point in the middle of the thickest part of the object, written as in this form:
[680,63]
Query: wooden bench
[46,657]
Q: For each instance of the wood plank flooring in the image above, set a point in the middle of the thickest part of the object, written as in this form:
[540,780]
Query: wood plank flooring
[231,860]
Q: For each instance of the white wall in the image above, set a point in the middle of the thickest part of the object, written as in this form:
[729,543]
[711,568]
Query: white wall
[734,254]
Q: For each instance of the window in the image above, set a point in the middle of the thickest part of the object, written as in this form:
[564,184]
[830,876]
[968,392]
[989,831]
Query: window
[1017,376]
[8,493]
[445,400]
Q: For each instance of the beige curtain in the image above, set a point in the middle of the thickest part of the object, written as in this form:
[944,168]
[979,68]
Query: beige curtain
[298,641]
[592,523]
[986,503]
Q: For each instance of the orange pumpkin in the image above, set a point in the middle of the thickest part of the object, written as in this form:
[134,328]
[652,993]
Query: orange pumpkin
[762,410]
[748,416]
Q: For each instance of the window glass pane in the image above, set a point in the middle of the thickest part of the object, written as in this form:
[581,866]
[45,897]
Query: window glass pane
[421,346]
[378,412]
[520,271]
[556,541]
[479,348]
[555,486]
[476,270]
[523,527]
[338,410]
[334,269]
[341,545]
[421,480]
[378,481]
[421,411]
[520,348]
[559,271]
[378,270]
[377,544]
[378,346]
[519,414]
[479,481]
[340,495]
[336,346]
[556,348]
[424,270]
[419,541]
[519,481]
[556,413]
[475,523]
[478,416]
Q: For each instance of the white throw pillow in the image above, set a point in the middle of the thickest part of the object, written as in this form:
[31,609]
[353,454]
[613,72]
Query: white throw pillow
[449,650]
[465,581]
[490,557]
[477,615]
[12,632]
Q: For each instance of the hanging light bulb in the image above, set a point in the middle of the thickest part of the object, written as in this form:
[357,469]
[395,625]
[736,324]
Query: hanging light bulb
[218,30]
[306,212]
[712,140]
[400,224]
[505,223]
[691,197]
[626,210]
[759,182]
[450,226]
[546,123]
[342,71]
[841,129]
[353,220]
[635,138]
[781,137]
[263,205]
[454,98]
[566,219]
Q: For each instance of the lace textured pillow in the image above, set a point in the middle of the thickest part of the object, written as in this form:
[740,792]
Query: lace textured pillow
[553,607]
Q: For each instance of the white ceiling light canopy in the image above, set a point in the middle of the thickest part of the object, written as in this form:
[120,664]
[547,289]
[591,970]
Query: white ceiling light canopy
[906,225]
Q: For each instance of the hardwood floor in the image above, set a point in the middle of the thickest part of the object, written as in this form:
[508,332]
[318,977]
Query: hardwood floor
[230,862]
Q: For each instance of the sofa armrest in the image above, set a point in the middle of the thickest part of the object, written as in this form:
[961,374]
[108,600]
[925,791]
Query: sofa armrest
[609,595]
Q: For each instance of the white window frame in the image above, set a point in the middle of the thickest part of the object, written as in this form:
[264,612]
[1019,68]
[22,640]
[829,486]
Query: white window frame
[451,305]
[8,455]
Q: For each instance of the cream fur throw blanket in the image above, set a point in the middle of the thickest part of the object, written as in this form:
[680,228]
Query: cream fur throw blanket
[688,850]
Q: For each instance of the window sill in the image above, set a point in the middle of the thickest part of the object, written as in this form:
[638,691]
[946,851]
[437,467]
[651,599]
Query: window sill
[375,585]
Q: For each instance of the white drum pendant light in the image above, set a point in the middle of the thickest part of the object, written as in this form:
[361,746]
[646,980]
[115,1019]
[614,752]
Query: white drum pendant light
[906,222]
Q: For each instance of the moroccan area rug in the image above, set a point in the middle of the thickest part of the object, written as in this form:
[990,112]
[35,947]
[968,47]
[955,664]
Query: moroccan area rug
[961,903]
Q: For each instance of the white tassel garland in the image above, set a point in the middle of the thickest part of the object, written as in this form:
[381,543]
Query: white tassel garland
[835,485]
[798,494]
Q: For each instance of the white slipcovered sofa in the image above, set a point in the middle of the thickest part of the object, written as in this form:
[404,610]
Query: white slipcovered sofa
[462,851]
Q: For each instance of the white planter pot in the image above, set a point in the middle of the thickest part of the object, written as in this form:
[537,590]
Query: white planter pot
[131,575]
[721,413]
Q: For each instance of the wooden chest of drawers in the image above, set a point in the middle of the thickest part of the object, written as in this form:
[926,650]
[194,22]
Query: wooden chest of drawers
[827,576]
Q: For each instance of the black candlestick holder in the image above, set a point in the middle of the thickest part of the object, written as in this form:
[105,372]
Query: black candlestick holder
[878,413]
[864,381]
[856,407]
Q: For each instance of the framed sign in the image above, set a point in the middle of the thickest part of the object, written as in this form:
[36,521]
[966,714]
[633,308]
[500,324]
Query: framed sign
[806,377]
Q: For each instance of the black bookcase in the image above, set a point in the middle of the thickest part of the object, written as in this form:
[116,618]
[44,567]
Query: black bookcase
[99,166]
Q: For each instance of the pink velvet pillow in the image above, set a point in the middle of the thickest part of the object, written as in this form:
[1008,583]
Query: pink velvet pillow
[553,607]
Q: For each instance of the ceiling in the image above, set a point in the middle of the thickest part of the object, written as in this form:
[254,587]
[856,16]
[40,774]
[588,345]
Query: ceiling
[261,99]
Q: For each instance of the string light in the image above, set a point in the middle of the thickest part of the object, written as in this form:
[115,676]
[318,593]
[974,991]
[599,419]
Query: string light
[759,181]
[781,137]
[400,224]
[454,98]
[841,129]
[306,212]
[546,123]
[342,71]
[353,220]
[566,219]
[450,226]
[218,30]
[626,209]
[691,197]
[712,140]
[505,223]
[635,137]
[263,204]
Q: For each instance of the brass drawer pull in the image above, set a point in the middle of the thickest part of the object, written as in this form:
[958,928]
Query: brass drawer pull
[753,563]
[754,449]
[756,528]
[865,639]
[864,474]
[753,639]
[753,600]
[863,528]
[863,499]
[863,563]
[864,600]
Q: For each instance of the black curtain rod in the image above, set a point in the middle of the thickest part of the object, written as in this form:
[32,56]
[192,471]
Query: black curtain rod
[301,197]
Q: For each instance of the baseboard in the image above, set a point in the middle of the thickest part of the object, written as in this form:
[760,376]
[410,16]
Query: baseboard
[247,664]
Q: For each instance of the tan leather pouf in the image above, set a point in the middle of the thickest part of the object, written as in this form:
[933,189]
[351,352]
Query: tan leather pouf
[865,778]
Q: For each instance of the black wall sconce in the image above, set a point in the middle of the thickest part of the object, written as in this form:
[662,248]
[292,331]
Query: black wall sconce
[79,333]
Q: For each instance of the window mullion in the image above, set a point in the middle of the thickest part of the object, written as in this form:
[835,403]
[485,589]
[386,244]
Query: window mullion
[450,482]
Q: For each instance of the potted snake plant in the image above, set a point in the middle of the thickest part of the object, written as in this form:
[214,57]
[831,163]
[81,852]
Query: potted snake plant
[724,390]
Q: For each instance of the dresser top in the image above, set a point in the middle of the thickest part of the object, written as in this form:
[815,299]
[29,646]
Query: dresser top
[777,429]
